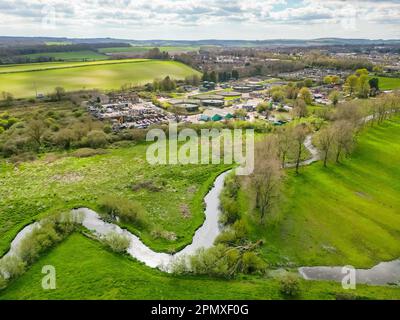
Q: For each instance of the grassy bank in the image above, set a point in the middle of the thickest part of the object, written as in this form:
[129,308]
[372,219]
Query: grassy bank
[343,214]
[86,270]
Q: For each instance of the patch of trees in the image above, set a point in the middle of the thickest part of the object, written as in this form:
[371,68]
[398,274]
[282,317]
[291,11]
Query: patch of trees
[266,180]
[45,130]
[166,85]
[7,99]
[319,60]
[193,80]
[384,108]
[359,84]
[336,140]
[268,68]
[220,75]
[155,53]
[187,58]
[15,54]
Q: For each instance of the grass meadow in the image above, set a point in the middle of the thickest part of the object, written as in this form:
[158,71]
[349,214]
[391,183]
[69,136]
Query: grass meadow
[87,270]
[24,80]
[346,214]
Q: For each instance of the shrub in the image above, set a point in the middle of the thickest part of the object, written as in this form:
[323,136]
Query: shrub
[212,262]
[107,128]
[251,263]
[87,152]
[289,285]
[39,240]
[229,205]
[349,296]
[159,233]
[230,212]
[3,282]
[236,234]
[12,266]
[23,157]
[127,210]
[118,243]
[97,139]
[64,137]
[148,185]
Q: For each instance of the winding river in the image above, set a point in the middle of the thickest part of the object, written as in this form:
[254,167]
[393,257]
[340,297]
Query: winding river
[203,238]
[384,273]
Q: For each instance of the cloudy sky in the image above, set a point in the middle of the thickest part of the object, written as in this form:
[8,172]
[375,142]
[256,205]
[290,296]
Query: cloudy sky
[201,19]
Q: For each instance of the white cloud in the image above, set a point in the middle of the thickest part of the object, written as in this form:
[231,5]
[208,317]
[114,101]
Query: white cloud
[192,18]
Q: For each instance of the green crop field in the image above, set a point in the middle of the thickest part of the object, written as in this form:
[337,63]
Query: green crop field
[145,49]
[58,43]
[386,83]
[69,56]
[15,68]
[23,80]
[343,214]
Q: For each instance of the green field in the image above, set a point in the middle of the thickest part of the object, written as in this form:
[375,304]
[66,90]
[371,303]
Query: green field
[70,56]
[346,214]
[22,80]
[39,188]
[340,215]
[389,83]
[58,43]
[145,49]
[16,68]
[86,270]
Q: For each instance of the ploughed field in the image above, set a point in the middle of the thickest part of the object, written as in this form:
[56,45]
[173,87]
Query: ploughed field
[26,80]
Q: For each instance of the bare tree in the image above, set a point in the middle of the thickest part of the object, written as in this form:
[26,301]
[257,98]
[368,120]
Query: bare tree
[350,111]
[59,93]
[35,130]
[266,179]
[300,108]
[343,132]
[284,142]
[325,139]
[299,137]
